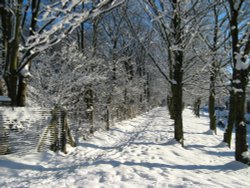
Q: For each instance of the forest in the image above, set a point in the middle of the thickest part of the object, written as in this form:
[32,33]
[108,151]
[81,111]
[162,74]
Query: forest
[112,60]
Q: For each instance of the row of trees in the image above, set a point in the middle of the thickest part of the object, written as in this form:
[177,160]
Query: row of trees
[219,42]
[94,65]
[118,58]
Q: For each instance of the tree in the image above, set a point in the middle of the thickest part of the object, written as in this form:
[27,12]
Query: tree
[11,19]
[240,41]
[128,86]
[120,92]
[177,23]
[213,56]
[49,25]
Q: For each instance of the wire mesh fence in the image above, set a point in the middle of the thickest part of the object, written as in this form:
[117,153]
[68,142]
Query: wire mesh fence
[27,130]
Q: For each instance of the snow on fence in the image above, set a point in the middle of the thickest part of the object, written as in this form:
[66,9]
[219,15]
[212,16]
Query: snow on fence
[25,130]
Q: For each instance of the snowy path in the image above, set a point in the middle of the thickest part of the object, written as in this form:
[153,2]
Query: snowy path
[136,153]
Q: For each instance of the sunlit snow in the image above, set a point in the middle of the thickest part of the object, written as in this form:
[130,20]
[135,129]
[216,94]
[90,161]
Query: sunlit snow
[135,153]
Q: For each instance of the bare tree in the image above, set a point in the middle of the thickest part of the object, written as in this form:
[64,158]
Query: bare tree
[240,41]
[178,24]
[214,56]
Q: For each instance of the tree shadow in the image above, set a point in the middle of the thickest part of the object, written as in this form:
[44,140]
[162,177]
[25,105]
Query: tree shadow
[231,166]
[21,166]
[94,146]
[209,152]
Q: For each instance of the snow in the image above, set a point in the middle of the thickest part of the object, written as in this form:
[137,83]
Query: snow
[25,70]
[14,24]
[246,154]
[236,90]
[135,153]
[237,4]
[20,114]
[242,65]
[237,81]
[173,81]
[233,27]
[242,123]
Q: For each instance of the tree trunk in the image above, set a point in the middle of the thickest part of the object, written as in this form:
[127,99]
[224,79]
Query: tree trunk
[177,86]
[231,118]
[125,105]
[147,91]
[11,82]
[1,87]
[22,83]
[177,100]
[108,112]
[241,146]
[213,72]
[177,92]
[170,106]
[82,38]
[211,105]
[239,84]
[11,65]
[248,106]
[89,100]
[197,104]
[22,90]
[95,35]
[11,37]
[235,50]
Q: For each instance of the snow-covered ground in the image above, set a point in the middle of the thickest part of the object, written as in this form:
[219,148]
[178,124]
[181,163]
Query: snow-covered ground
[136,153]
